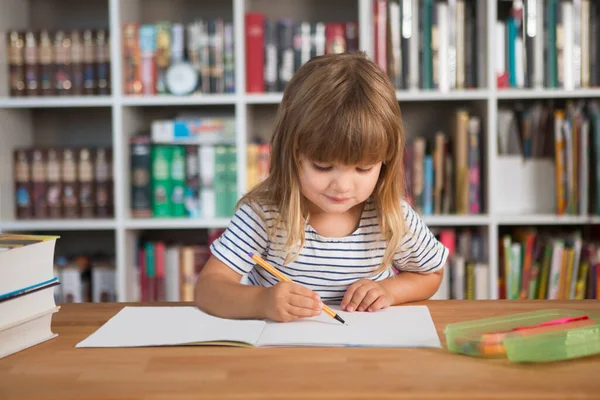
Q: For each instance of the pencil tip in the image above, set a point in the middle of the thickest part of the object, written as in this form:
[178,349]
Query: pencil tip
[250,254]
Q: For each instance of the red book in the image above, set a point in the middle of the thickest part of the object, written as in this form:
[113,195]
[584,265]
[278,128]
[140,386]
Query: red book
[159,260]
[380,37]
[255,57]
[335,38]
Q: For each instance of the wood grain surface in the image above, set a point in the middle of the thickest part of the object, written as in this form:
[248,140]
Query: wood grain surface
[56,369]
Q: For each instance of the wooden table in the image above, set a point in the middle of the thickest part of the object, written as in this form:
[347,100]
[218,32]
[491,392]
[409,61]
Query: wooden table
[55,369]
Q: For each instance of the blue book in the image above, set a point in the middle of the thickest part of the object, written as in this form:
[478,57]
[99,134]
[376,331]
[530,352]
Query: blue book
[428,186]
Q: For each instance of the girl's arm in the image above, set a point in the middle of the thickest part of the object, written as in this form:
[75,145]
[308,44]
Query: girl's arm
[368,295]
[412,286]
[220,293]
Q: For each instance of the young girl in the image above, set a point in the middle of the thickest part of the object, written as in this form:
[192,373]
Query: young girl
[331,214]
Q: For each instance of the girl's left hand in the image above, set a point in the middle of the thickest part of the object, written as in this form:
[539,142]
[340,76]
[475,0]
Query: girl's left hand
[366,295]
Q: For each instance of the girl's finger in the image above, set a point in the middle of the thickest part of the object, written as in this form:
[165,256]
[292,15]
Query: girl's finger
[357,297]
[301,312]
[349,293]
[380,303]
[305,302]
[371,296]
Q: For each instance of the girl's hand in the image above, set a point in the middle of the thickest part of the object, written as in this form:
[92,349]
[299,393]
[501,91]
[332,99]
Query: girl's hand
[366,295]
[287,301]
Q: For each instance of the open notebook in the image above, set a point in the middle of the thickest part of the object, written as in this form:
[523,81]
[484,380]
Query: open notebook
[401,326]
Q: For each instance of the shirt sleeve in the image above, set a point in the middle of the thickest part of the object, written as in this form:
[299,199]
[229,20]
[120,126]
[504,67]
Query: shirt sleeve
[246,233]
[419,251]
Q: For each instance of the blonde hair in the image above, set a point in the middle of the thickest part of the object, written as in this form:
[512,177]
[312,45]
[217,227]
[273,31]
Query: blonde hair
[338,108]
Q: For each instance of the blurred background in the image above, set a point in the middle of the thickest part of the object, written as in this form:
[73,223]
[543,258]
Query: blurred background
[131,127]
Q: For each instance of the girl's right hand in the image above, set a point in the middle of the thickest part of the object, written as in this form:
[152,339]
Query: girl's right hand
[287,301]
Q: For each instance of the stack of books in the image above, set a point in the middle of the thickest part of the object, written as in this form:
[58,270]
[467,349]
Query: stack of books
[27,285]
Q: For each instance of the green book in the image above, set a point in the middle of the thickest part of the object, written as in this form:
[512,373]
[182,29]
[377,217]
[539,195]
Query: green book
[232,179]
[161,180]
[542,288]
[426,47]
[220,181]
[178,181]
[551,56]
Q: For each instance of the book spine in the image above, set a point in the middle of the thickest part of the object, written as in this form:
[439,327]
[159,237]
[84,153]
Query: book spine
[62,61]
[132,83]
[38,179]
[16,64]
[177,181]
[163,55]
[270,49]
[70,186]
[231,180]
[22,178]
[31,59]
[54,186]
[428,186]
[427,68]
[207,180]
[474,165]
[103,76]
[228,58]
[85,173]
[89,63]
[103,176]
[285,52]
[351,36]
[46,64]
[192,182]
[380,37]
[77,62]
[161,180]
[255,55]
[141,188]
[220,181]
[147,44]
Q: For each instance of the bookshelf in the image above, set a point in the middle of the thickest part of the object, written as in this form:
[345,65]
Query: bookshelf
[110,119]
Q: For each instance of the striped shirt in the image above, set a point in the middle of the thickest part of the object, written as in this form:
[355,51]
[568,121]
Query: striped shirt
[326,265]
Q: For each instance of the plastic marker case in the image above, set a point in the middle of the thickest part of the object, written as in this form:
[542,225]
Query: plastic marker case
[539,336]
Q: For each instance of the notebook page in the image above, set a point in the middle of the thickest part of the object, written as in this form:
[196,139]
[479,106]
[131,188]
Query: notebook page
[400,326]
[170,326]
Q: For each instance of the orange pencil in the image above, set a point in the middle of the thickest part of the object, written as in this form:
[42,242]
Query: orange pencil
[284,278]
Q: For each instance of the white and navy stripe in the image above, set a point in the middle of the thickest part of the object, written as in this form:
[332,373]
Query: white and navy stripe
[326,265]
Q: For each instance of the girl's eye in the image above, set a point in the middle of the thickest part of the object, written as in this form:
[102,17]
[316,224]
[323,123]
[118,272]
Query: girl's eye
[364,170]
[321,167]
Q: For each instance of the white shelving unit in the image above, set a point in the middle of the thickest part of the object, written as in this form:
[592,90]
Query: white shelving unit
[112,119]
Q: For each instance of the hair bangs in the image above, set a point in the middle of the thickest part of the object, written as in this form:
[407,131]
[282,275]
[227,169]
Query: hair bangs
[352,134]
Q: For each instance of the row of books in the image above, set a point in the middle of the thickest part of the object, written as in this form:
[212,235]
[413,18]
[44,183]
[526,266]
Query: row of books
[63,183]
[548,43]
[538,265]
[177,58]
[258,161]
[167,270]
[444,174]
[568,137]
[27,285]
[173,180]
[85,279]
[276,49]
[466,273]
[429,44]
[46,63]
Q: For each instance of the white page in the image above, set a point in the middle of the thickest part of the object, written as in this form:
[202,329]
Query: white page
[399,326]
[170,326]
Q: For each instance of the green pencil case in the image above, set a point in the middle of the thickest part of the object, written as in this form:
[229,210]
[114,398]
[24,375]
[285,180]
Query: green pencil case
[539,336]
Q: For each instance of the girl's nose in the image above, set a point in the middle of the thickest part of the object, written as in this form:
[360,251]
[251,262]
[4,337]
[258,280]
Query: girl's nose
[342,183]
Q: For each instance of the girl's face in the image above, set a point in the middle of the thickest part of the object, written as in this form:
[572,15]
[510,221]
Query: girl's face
[336,188]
